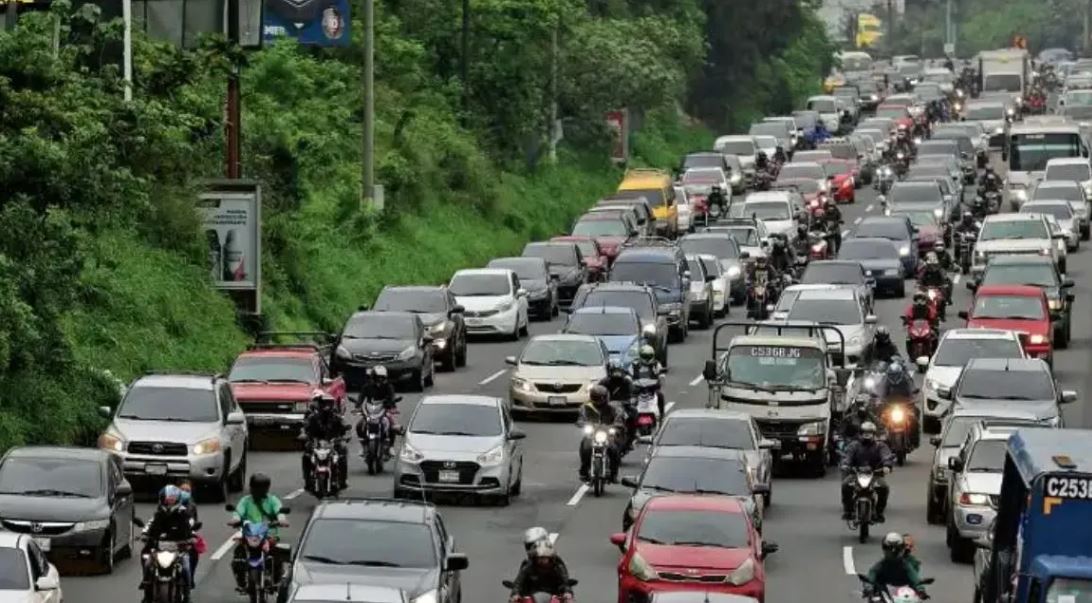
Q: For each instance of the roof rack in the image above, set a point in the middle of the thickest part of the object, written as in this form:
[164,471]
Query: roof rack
[211,376]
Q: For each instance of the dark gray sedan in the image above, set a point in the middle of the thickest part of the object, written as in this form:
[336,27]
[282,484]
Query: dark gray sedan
[880,258]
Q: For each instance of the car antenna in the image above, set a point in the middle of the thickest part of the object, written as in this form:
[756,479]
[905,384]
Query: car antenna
[349,592]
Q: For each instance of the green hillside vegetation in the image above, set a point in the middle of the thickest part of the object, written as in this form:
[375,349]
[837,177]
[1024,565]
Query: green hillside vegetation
[102,264]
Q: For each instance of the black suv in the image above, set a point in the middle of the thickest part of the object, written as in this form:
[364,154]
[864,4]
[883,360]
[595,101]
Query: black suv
[443,318]
[395,340]
[629,295]
[660,264]
[382,542]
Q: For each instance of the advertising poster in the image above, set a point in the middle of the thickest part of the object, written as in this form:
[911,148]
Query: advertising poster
[231,218]
[310,22]
[618,124]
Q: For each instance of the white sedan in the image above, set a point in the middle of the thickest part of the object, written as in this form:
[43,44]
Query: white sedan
[25,573]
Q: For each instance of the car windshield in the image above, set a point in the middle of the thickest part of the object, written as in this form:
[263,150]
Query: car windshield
[13,570]
[737,147]
[1061,193]
[938,148]
[867,250]
[587,249]
[885,229]
[654,196]
[812,156]
[806,186]
[819,273]
[472,420]
[706,432]
[987,456]
[766,142]
[767,210]
[639,301]
[896,112]
[915,193]
[834,168]
[1036,275]
[999,384]
[1079,172]
[467,284]
[1058,210]
[65,477]
[1002,82]
[824,105]
[769,129]
[776,367]
[712,266]
[919,218]
[1013,229]
[703,161]
[956,431]
[369,543]
[182,404]
[986,112]
[265,369]
[724,247]
[744,235]
[600,228]
[679,527]
[694,265]
[527,269]
[701,475]
[603,324]
[657,274]
[380,326]
[1013,307]
[703,177]
[810,171]
[1032,151]
[955,351]
[421,301]
[562,352]
[561,254]
[827,311]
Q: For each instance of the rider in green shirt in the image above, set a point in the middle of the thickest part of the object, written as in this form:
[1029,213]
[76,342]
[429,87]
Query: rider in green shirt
[257,507]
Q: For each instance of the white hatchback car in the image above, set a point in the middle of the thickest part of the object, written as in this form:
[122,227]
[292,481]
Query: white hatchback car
[27,576]
[956,347]
[495,302]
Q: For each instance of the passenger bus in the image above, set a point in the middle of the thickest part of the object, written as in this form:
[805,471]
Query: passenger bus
[1027,149]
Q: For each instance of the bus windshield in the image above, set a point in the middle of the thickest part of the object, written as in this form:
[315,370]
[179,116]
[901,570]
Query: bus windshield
[1031,152]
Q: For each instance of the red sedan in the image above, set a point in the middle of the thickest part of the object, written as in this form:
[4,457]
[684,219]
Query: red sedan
[593,251]
[842,174]
[903,119]
[1020,308]
[691,543]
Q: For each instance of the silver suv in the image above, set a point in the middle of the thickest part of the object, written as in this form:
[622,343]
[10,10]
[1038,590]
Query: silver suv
[180,426]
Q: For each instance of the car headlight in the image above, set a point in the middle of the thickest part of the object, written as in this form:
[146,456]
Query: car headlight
[1044,251]
[522,385]
[506,306]
[111,442]
[855,340]
[1055,304]
[88,526]
[873,97]
[938,212]
[999,130]
[1055,422]
[932,384]
[640,569]
[736,177]
[437,329]
[973,499]
[904,250]
[493,457]
[428,597]
[734,272]
[209,446]
[673,308]
[410,454]
[813,428]
[742,574]
[824,186]
[407,353]
[1037,339]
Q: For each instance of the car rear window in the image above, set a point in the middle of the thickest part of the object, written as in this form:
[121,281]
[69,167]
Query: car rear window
[710,433]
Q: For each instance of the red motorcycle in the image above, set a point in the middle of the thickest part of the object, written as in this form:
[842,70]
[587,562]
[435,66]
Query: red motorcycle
[541,597]
[699,209]
[921,338]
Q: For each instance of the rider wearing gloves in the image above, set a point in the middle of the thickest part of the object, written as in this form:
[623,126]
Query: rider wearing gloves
[883,349]
[171,523]
[542,571]
[257,507]
[325,424]
[647,367]
[619,386]
[866,452]
[895,569]
[599,411]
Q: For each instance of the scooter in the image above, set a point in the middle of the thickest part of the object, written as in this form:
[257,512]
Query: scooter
[874,593]
[864,502]
[921,339]
[602,436]
[539,597]
[648,409]
[263,554]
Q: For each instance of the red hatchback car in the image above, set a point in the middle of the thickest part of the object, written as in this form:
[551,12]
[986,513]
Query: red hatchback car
[692,543]
[1020,308]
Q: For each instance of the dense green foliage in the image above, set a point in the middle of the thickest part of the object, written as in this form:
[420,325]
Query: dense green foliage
[101,259]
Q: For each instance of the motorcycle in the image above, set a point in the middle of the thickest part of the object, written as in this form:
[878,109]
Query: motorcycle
[819,246]
[937,301]
[920,339]
[757,296]
[896,421]
[166,577]
[762,180]
[965,249]
[324,464]
[993,201]
[602,436]
[864,502]
[875,593]
[539,597]
[374,430]
[885,177]
[648,410]
[262,573]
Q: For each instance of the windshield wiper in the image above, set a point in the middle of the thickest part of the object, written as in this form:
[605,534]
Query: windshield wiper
[249,381]
[372,563]
[754,386]
[533,362]
[286,380]
[450,433]
[1012,397]
[658,488]
[51,492]
[707,491]
[560,362]
[321,559]
[694,543]
[652,540]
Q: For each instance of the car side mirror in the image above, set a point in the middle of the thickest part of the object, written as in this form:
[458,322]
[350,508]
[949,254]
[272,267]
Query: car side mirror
[456,562]
[138,522]
[517,435]
[768,444]
[765,242]
[456,310]
[124,489]
[47,583]
[106,412]
[955,463]
[934,440]
[1068,283]
[510,360]
[944,393]
[1068,396]
[235,418]
[709,373]
[769,548]
[871,319]
[521,292]
[964,315]
[629,481]
[618,540]
[230,508]
[760,488]
[841,376]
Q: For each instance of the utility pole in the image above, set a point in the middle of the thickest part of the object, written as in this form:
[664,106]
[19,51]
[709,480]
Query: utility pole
[554,60]
[890,23]
[127,51]
[233,124]
[464,67]
[368,154]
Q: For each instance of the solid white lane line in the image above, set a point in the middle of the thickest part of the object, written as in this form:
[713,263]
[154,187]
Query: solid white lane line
[696,380]
[869,208]
[492,377]
[955,279]
[858,220]
[668,408]
[224,548]
[293,494]
[580,492]
[553,537]
[847,561]
[845,233]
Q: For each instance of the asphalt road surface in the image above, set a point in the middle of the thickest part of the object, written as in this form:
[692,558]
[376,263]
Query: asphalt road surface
[818,556]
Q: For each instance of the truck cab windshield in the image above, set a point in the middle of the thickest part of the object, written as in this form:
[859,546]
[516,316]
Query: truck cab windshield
[777,368]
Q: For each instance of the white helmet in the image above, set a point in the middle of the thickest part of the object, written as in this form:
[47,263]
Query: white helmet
[931,258]
[905,594]
[533,536]
[379,371]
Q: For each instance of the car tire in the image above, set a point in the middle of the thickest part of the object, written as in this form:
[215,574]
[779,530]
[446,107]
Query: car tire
[430,379]
[934,513]
[237,480]
[514,335]
[523,332]
[106,555]
[450,362]
[217,492]
[461,360]
[900,291]
[1061,339]
[517,486]
[1086,233]
[767,499]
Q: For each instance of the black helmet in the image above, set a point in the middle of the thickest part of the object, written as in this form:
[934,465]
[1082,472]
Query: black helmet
[968,218]
[616,367]
[883,335]
[259,485]
[599,395]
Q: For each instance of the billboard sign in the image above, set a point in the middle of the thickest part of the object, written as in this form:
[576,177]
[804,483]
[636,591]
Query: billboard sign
[310,22]
[231,215]
[618,125]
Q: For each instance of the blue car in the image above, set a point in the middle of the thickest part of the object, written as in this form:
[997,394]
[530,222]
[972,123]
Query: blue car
[619,329]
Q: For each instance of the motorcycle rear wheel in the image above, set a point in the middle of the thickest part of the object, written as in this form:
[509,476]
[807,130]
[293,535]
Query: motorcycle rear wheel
[255,587]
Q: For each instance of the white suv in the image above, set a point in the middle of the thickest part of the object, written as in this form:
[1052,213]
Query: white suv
[1013,234]
[956,347]
[495,302]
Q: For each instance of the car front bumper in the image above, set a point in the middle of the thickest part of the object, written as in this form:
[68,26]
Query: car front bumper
[632,589]
[531,398]
[206,468]
[432,475]
[273,422]
[355,372]
[60,540]
[494,324]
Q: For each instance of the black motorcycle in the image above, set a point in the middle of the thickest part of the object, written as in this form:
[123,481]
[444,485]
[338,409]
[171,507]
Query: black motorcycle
[374,430]
[865,500]
[325,460]
[166,577]
[602,437]
[965,250]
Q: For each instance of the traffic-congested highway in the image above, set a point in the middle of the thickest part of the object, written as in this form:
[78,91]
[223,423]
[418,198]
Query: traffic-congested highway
[818,555]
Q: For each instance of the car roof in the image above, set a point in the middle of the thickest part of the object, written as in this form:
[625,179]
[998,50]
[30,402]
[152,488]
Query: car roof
[646,254]
[1017,290]
[464,399]
[412,316]
[58,452]
[700,452]
[516,259]
[695,502]
[1067,161]
[833,263]
[180,381]
[605,310]
[483,271]
[765,196]
[872,240]
[378,509]
[303,351]
[1011,260]
[564,337]
[618,286]
[1008,364]
[708,413]
[1057,184]
[1011,217]
[973,333]
[836,293]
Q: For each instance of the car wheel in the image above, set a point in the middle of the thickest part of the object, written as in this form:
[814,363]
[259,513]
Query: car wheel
[900,291]
[461,361]
[1086,233]
[237,481]
[450,361]
[767,499]
[514,335]
[430,380]
[217,492]
[934,515]
[1060,339]
[106,554]
[526,324]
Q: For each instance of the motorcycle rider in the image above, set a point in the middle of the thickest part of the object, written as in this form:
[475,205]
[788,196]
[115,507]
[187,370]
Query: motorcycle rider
[943,256]
[861,414]
[198,547]
[325,424]
[259,506]
[883,349]
[171,523]
[542,571]
[761,273]
[894,569]
[866,451]
[780,257]
[718,198]
[899,385]
[834,223]
[620,387]
[919,309]
[990,181]
[379,387]
[933,275]
[966,226]
[648,367]
[598,410]
[779,155]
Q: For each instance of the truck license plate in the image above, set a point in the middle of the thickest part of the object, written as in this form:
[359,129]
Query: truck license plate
[557,400]
[43,543]
[449,476]
[155,469]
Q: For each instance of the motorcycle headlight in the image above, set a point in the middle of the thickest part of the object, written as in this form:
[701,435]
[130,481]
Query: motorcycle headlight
[522,385]
[898,415]
[493,457]
[410,454]
[89,526]
[640,569]
[959,93]
[901,155]
[588,430]
[938,212]
[1011,112]
[873,97]
[998,130]
[1055,304]
[600,437]
[742,574]
[736,177]
[734,272]
[209,446]
[904,250]
[428,597]
[932,294]
[813,428]
[253,541]
[165,559]
[817,247]
[407,353]
[864,481]
[1037,339]
[437,329]
[869,383]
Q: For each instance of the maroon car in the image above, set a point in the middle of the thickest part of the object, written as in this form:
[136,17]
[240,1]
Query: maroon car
[595,257]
